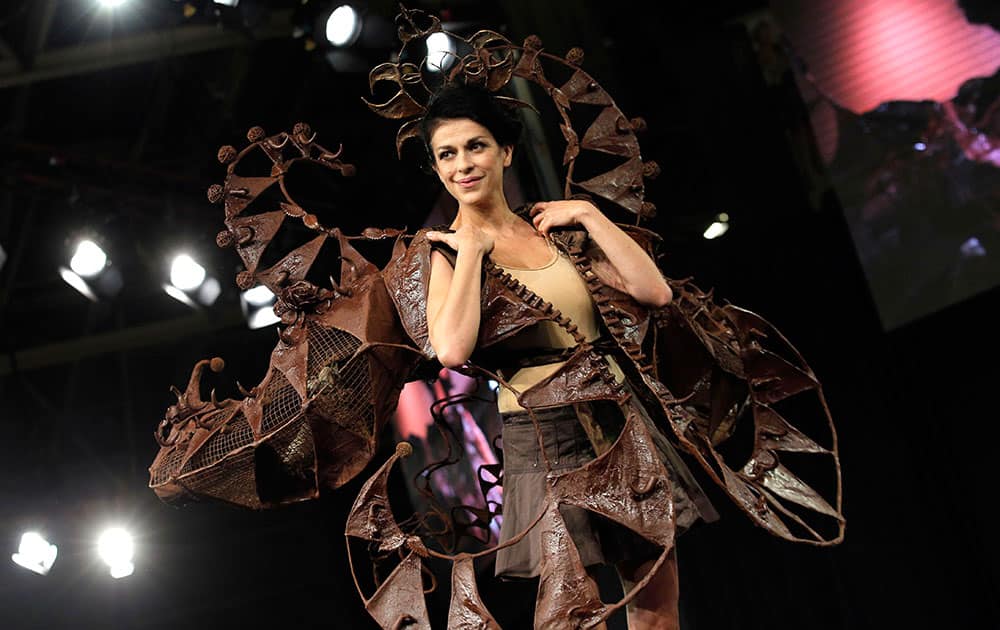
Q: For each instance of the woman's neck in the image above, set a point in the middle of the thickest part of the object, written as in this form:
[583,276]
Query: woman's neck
[492,218]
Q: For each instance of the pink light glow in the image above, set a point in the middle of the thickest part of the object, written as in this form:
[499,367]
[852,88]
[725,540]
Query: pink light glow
[866,52]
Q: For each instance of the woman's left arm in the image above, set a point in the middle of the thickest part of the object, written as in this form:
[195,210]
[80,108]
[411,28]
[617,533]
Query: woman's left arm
[637,272]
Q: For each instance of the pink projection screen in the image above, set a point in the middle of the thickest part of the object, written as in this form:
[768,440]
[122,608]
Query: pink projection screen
[903,98]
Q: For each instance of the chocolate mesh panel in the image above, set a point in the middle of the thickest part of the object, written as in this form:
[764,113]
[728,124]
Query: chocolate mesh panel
[340,388]
[280,402]
[234,481]
[235,435]
[285,465]
[167,464]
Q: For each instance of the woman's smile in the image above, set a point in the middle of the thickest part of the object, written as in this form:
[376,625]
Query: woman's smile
[469,182]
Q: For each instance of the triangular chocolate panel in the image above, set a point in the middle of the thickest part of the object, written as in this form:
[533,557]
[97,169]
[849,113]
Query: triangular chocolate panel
[581,88]
[241,191]
[264,227]
[616,185]
[783,483]
[774,432]
[751,503]
[399,602]
[292,267]
[567,598]
[628,484]
[290,360]
[603,135]
[772,378]
[467,611]
[578,380]
[371,516]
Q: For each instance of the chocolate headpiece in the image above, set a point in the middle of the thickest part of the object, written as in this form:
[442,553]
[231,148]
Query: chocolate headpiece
[489,60]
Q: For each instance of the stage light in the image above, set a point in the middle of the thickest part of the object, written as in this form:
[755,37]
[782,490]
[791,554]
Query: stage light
[111,4]
[920,146]
[91,273]
[718,227]
[258,307]
[190,284]
[77,283]
[115,547]
[3,256]
[343,26]
[185,273]
[35,553]
[440,52]
[227,3]
[89,259]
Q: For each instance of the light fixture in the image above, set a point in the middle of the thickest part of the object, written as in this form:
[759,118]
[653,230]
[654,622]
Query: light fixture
[111,4]
[115,547]
[258,307]
[227,3]
[190,284]
[35,553]
[89,259]
[91,273]
[185,273]
[718,227]
[440,52]
[343,26]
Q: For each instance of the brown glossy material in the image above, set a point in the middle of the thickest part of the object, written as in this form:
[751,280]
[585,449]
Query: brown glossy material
[694,369]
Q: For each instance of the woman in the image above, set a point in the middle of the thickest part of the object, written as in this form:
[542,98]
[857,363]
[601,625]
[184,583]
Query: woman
[470,140]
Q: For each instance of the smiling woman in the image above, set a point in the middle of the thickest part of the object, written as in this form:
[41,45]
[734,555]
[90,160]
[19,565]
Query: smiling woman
[470,141]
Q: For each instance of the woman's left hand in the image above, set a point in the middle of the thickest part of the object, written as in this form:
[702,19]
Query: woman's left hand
[546,215]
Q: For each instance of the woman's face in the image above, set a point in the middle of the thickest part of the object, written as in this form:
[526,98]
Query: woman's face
[469,161]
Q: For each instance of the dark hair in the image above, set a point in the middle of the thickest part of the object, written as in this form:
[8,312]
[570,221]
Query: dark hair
[456,100]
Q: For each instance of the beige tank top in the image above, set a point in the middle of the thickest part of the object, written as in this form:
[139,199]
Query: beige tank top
[559,283]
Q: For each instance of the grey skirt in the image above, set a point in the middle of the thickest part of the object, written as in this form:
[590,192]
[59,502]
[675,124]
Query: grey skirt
[599,540]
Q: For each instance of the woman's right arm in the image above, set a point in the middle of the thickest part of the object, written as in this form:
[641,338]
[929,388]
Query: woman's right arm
[453,296]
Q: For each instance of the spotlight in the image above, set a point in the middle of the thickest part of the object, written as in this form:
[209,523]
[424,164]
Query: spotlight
[111,4]
[718,227]
[90,272]
[343,26]
[258,307]
[190,284]
[440,52]
[89,259]
[185,273]
[35,553]
[227,3]
[115,547]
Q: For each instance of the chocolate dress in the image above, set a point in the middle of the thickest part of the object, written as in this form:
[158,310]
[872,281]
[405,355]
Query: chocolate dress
[572,434]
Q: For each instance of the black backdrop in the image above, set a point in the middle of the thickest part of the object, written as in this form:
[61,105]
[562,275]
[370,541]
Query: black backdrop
[915,408]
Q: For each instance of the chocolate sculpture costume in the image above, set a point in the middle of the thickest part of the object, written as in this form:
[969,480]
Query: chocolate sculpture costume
[691,374]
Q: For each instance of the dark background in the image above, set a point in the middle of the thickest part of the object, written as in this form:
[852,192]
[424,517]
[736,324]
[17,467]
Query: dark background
[128,150]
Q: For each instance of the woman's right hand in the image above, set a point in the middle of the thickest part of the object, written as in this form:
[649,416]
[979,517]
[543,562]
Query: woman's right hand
[466,238]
